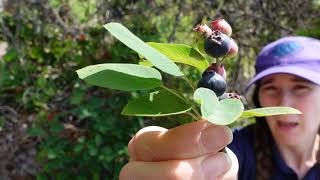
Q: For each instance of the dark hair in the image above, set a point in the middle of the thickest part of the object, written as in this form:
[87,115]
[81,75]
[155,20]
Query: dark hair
[262,145]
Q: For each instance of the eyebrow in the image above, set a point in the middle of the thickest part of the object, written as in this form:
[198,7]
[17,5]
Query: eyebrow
[294,79]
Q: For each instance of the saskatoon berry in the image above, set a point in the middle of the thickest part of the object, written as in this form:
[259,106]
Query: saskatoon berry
[230,96]
[218,69]
[213,81]
[203,29]
[233,48]
[222,25]
[217,44]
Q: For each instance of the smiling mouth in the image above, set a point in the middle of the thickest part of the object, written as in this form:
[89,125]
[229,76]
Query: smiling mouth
[287,125]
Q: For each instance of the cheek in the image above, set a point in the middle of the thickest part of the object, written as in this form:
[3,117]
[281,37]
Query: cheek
[266,101]
[311,111]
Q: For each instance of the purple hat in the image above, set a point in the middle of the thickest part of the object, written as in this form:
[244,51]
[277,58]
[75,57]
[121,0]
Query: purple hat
[295,55]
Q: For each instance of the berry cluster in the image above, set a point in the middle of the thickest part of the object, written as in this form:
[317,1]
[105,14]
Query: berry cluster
[217,44]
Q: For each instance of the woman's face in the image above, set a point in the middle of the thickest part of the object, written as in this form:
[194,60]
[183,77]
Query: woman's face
[289,90]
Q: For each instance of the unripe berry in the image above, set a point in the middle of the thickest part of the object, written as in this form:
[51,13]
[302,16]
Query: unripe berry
[230,96]
[203,29]
[233,48]
[213,81]
[221,25]
[217,44]
[218,69]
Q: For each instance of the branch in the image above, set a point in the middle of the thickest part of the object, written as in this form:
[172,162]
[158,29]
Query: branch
[177,20]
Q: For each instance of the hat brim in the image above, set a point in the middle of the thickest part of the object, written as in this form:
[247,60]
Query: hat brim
[301,71]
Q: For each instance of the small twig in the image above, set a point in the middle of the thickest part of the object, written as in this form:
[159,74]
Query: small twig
[183,99]
[176,22]
[193,116]
[189,83]
[223,59]
[197,113]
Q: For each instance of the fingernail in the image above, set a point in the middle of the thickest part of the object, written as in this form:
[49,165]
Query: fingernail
[214,138]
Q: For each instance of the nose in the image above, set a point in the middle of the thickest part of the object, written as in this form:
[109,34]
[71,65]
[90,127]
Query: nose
[286,100]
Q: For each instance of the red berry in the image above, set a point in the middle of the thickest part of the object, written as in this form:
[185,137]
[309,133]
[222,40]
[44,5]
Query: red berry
[81,37]
[233,48]
[51,116]
[218,69]
[221,25]
[203,29]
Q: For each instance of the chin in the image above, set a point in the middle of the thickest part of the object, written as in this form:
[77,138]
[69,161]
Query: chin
[290,141]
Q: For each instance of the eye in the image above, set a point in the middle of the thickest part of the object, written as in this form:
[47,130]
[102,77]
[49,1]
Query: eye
[269,90]
[301,89]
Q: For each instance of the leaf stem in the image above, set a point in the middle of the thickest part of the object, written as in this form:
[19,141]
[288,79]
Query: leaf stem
[222,60]
[189,83]
[198,115]
[173,92]
[192,115]
[196,112]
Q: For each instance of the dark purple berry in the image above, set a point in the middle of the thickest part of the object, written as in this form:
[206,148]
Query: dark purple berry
[217,44]
[213,81]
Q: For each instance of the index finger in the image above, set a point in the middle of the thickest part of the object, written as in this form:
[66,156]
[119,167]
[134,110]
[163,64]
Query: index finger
[183,142]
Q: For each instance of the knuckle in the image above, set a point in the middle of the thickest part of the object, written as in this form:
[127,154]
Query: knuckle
[140,146]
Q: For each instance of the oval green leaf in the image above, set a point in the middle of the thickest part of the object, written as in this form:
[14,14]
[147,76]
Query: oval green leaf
[158,59]
[126,77]
[226,112]
[268,111]
[222,112]
[208,100]
[182,53]
[158,103]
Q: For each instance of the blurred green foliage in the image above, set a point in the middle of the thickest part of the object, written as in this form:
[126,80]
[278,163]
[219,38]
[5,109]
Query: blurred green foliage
[80,132]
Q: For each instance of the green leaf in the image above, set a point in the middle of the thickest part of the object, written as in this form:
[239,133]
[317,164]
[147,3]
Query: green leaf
[51,154]
[182,53]
[55,126]
[222,112]
[268,111]
[158,103]
[207,99]
[125,77]
[11,55]
[3,72]
[36,131]
[156,58]
[2,123]
[226,112]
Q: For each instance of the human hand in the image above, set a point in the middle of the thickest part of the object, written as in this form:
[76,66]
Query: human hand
[190,151]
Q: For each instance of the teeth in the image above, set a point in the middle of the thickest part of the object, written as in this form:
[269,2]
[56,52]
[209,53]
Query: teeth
[287,123]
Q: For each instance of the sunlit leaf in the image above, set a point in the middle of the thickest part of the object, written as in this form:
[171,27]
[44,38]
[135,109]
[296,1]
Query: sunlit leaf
[222,112]
[121,76]
[158,59]
[182,53]
[268,111]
